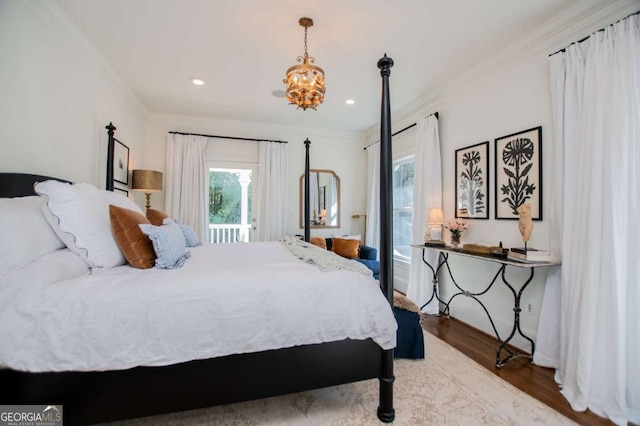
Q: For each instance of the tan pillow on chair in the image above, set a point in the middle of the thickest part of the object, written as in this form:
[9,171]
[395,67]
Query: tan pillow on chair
[346,248]
[156,217]
[319,241]
[134,244]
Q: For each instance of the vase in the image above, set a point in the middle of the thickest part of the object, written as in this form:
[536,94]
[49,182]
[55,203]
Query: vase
[455,240]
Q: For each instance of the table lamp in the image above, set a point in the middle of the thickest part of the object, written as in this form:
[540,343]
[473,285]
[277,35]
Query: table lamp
[436,219]
[147,181]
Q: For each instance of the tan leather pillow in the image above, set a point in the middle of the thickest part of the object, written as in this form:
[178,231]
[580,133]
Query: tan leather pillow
[346,248]
[319,241]
[134,244]
[156,217]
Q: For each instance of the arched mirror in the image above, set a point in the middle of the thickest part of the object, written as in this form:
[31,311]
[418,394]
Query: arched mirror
[324,194]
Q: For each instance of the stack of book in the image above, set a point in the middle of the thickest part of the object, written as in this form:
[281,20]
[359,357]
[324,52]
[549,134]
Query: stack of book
[434,243]
[529,256]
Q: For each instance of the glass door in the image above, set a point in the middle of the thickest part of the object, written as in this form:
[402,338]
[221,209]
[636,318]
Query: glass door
[231,216]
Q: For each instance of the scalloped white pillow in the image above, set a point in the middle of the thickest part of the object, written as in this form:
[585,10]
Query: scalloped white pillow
[24,232]
[79,214]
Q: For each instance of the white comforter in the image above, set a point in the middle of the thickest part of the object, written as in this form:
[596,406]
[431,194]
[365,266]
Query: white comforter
[227,299]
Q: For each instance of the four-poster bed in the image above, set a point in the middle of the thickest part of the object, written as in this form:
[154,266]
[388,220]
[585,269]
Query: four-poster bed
[98,396]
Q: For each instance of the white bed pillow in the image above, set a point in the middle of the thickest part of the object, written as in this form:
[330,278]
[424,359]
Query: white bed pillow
[79,214]
[24,232]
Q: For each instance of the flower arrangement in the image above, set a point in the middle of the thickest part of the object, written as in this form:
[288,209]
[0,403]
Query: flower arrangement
[456,227]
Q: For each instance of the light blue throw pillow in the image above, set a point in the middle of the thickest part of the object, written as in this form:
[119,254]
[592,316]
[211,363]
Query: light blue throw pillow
[190,237]
[168,243]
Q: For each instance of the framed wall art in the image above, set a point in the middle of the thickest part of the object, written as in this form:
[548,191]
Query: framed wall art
[122,191]
[519,173]
[472,181]
[121,162]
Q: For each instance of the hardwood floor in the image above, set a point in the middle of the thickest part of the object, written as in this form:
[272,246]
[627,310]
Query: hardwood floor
[535,381]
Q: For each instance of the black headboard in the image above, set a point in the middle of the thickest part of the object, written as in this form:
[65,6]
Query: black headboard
[21,184]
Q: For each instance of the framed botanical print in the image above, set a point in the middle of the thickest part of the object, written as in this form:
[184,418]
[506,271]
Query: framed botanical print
[121,191]
[519,173]
[472,181]
[120,162]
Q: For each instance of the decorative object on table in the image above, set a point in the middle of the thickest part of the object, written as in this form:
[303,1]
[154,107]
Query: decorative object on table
[433,233]
[500,252]
[479,248]
[121,162]
[525,224]
[147,181]
[529,255]
[519,173]
[472,181]
[456,227]
[305,82]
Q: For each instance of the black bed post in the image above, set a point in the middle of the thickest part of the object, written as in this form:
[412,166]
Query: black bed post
[307,199]
[110,147]
[386,412]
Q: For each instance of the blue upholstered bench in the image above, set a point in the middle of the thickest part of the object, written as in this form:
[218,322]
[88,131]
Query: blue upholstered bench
[368,257]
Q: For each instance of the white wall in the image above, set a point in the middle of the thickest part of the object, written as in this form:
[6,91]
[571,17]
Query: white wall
[508,93]
[57,99]
[337,151]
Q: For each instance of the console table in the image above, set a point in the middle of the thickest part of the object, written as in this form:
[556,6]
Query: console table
[443,261]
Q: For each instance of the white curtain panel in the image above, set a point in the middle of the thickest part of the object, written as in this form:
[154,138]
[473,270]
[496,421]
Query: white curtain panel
[373,196]
[596,96]
[187,183]
[273,194]
[427,194]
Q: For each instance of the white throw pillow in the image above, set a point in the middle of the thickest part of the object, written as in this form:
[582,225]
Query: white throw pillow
[24,232]
[79,214]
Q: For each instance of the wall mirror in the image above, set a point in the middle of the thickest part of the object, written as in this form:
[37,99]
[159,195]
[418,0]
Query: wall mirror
[324,195]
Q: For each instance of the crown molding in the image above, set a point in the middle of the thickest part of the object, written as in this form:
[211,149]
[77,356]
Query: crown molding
[244,128]
[569,26]
[59,20]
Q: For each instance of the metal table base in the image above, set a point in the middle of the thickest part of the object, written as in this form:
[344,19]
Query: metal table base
[443,261]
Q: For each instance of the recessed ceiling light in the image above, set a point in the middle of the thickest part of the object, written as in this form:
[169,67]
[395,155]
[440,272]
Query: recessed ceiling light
[278,93]
[349,102]
[197,81]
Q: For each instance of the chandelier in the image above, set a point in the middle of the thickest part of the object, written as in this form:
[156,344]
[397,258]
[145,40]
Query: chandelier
[305,82]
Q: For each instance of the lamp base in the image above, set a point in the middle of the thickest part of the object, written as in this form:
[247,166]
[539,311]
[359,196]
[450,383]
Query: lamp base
[148,194]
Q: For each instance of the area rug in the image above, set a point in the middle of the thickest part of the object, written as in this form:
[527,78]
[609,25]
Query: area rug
[446,388]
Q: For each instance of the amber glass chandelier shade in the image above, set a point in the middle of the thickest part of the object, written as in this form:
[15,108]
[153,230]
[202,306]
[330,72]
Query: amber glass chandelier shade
[304,82]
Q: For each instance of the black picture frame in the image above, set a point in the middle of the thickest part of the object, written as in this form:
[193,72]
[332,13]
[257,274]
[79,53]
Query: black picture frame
[518,173]
[121,163]
[472,181]
[123,191]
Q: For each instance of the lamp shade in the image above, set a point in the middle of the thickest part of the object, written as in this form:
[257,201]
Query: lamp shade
[436,216]
[147,181]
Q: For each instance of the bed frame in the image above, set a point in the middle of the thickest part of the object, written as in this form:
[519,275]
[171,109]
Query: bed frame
[93,397]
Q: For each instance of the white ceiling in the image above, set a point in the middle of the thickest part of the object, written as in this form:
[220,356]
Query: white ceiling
[242,48]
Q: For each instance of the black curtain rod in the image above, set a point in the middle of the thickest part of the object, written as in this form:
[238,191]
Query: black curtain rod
[406,128]
[587,37]
[227,137]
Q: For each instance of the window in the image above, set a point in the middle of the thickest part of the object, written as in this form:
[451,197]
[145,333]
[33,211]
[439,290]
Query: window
[230,205]
[403,171]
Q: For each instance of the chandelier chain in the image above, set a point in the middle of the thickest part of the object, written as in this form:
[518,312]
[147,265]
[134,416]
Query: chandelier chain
[305,42]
